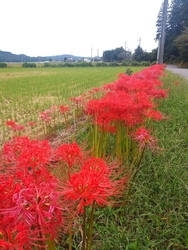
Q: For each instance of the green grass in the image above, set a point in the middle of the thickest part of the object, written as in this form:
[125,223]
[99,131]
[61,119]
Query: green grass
[156,217]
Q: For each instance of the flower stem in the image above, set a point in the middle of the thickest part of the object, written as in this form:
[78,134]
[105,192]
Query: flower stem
[90,229]
[51,245]
[70,237]
[84,230]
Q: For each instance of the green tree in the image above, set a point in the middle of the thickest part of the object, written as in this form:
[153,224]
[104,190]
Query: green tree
[117,54]
[182,45]
[153,55]
[138,54]
[159,23]
[177,22]
[107,55]
[124,55]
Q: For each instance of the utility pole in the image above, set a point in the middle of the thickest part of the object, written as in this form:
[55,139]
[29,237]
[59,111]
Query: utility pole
[91,54]
[160,54]
[139,41]
[98,53]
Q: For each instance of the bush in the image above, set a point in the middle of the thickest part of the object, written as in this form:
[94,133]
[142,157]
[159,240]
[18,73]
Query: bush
[101,64]
[69,64]
[84,64]
[3,65]
[126,63]
[128,72]
[47,65]
[113,64]
[29,65]
[145,64]
[183,65]
[135,63]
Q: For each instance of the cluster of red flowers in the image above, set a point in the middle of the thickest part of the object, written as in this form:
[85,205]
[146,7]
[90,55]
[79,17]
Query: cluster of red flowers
[49,114]
[69,153]
[63,109]
[46,115]
[91,184]
[33,199]
[14,126]
[130,100]
[29,199]
[143,137]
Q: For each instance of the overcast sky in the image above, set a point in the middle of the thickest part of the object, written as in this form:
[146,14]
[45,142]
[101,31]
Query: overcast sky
[77,27]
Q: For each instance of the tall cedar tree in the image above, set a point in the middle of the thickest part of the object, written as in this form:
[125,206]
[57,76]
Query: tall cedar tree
[177,21]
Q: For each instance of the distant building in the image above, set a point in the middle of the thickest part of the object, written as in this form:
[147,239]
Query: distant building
[87,60]
[69,59]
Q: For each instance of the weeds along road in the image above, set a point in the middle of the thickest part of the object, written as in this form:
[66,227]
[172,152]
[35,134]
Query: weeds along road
[175,70]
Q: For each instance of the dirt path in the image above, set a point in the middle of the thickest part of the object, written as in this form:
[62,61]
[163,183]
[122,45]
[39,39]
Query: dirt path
[179,71]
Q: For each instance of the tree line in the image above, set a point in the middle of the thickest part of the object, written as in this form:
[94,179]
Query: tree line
[120,54]
[176,39]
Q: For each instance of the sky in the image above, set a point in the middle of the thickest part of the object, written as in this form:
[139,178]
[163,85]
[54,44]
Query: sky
[77,27]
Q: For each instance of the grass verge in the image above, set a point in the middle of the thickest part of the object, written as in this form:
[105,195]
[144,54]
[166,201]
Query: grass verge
[156,216]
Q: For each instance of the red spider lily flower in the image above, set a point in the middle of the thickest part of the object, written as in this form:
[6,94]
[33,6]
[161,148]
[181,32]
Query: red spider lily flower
[39,204]
[14,238]
[100,169]
[176,83]
[10,123]
[96,89]
[18,127]
[70,153]
[14,126]
[154,114]
[85,187]
[46,115]
[96,165]
[144,138]
[27,154]
[91,184]
[37,207]
[8,187]
[31,124]
[77,100]
[54,108]
[63,109]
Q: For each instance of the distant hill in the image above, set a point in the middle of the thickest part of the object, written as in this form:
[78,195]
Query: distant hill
[9,57]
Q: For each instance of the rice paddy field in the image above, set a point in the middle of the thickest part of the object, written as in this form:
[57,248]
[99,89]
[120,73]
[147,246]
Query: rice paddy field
[25,93]
[156,215]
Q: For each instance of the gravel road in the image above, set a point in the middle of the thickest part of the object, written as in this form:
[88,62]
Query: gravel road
[179,71]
